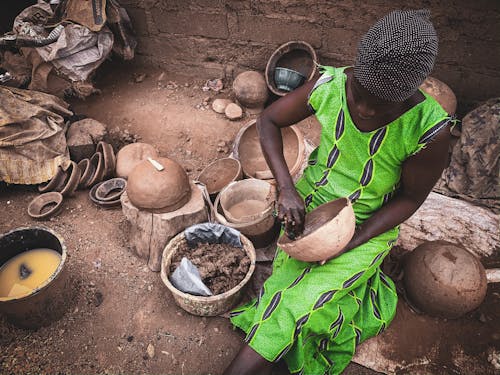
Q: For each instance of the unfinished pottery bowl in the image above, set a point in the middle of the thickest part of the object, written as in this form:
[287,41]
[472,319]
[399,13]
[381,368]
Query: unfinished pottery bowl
[111,190]
[45,205]
[87,170]
[97,162]
[104,204]
[441,92]
[199,305]
[162,191]
[327,230]
[250,89]
[109,158]
[73,175]
[248,151]
[55,183]
[131,155]
[219,174]
[296,55]
[443,279]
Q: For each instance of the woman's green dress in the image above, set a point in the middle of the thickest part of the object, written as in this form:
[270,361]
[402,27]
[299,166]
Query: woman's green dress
[311,315]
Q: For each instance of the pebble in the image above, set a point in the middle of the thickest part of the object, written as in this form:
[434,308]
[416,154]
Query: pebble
[219,105]
[233,111]
[150,350]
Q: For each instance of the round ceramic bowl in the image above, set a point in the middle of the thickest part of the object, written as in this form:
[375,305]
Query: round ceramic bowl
[45,205]
[103,204]
[287,79]
[55,183]
[73,175]
[87,172]
[219,174]
[109,158]
[110,190]
[97,161]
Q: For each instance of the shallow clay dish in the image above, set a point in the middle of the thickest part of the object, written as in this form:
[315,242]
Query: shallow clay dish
[131,155]
[55,183]
[45,205]
[328,229]
[73,175]
[97,162]
[441,92]
[104,204]
[111,190]
[109,158]
[87,172]
[248,151]
[219,174]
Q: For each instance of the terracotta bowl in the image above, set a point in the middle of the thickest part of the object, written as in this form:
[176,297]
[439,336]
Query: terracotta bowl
[73,175]
[97,162]
[441,92]
[45,205]
[295,55]
[104,204]
[248,151]
[219,174]
[111,190]
[131,155]
[109,158]
[328,229]
[250,89]
[443,279]
[55,183]
[87,170]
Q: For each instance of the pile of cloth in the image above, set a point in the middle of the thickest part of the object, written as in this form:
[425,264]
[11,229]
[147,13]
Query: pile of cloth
[56,48]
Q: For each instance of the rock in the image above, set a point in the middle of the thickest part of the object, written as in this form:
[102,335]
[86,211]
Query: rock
[82,137]
[139,77]
[219,105]
[233,111]
[150,350]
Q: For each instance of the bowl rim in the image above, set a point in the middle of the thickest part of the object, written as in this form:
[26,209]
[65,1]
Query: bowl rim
[235,177]
[51,197]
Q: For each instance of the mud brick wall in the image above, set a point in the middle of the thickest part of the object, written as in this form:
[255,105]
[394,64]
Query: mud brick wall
[219,38]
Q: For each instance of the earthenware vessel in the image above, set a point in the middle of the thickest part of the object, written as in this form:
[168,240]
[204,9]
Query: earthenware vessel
[45,205]
[109,158]
[219,174]
[131,155]
[104,204]
[54,183]
[111,190]
[73,175]
[251,90]
[87,170]
[97,162]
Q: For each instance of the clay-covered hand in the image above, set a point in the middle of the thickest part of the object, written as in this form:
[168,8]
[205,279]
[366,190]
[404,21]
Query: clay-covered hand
[291,212]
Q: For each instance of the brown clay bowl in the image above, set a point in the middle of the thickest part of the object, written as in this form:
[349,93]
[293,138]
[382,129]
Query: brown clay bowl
[73,175]
[97,162]
[328,229]
[87,172]
[219,174]
[109,158]
[55,183]
[111,190]
[441,92]
[45,205]
[104,204]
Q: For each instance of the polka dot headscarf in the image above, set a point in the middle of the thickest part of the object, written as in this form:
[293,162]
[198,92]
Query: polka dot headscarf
[397,54]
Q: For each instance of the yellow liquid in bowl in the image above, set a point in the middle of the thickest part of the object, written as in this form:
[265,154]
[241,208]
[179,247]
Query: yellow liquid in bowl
[27,271]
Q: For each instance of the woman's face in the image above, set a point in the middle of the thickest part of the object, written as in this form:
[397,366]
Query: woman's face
[368,106]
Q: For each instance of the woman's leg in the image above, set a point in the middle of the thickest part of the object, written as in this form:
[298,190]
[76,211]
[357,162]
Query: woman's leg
[248,361]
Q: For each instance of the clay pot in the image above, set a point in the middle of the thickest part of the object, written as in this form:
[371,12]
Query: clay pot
[247,150]
[199,305]
[73,175]
[444,279]
[298,56]
[111,190]
[327,230]
[109,158]
[162,191]
[87,170]
[97,162]
[219,174]
[441,92]
[131,155]
[104,204]
[45,205]
[251,90]
[55,183]
[247,200]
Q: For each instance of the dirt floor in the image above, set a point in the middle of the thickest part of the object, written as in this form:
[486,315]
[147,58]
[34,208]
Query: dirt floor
[122,318]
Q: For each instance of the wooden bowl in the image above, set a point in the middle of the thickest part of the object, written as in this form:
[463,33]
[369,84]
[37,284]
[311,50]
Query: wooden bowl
[45,205]
[219,174]
[328,229]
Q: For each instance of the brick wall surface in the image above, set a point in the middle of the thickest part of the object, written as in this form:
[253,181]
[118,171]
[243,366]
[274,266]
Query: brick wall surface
[217,38]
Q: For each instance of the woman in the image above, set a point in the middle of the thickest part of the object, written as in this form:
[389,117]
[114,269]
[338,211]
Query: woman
[384,145]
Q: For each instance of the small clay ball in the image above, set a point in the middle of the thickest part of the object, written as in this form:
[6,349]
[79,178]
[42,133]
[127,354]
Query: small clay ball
[441,92]
[131,155]
[233,112]
[166,190]
[250,89]
[443,279]
[219,105]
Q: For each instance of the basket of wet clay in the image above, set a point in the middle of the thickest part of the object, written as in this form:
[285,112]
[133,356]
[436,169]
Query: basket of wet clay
[207,267]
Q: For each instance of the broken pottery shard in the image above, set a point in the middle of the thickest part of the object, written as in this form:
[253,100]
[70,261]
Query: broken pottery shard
[233,111]
[219,105]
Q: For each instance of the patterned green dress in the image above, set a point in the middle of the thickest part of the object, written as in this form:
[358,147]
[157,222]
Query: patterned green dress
[314,316]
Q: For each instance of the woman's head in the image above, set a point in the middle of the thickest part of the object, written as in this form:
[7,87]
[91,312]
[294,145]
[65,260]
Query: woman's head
[396,55]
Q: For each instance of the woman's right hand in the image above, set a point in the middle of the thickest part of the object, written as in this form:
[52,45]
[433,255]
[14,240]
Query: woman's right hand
[291,211]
